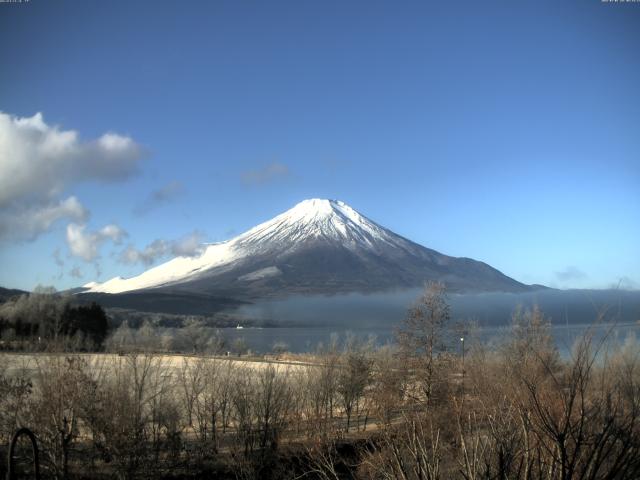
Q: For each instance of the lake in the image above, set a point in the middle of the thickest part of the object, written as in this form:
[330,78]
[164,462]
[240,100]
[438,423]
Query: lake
[305,322]
[307,339]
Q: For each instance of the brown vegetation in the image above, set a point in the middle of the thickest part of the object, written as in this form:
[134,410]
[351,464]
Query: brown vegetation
[396,412]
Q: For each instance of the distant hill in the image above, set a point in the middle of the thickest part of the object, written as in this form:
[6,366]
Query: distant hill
[163,302]
[7,293]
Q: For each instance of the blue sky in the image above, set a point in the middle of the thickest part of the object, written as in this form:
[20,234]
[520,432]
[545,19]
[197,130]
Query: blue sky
[504,131]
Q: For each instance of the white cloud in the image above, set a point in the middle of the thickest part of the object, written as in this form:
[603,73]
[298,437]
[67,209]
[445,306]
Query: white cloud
[87,245]
[38,162]
[114,232]
[148,255]
[28,222]
[189,245]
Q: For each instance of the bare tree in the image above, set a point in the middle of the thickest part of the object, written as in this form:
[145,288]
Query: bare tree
[239,346]
[354,377]
[318,387]
[325,386]
[147,338]
[388,384]
[60,383]
[549,419]
[127,412]
[243,395]
[273,403]
[194,336]
[421,337]
[16,390]
[584,419]
[121,339]
[192,383]
[207,390]
[530,343]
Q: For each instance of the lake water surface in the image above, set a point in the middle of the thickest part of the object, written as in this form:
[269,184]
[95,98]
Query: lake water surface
[301,339]
[305,322]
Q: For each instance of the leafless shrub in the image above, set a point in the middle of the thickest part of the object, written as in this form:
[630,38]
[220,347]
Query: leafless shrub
[411,450]
[322,459]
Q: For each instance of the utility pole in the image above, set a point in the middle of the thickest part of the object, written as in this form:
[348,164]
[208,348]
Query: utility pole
[462,343]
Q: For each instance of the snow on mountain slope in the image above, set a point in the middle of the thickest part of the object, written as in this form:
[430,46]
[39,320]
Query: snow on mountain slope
[317,218]
[170,272]
[318,246]
[308,220]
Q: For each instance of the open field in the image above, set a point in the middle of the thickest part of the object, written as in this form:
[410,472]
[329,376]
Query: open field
[14,362]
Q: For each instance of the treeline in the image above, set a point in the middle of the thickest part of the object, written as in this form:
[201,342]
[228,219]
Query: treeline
[44,318]
[194,337]
[136,319]
[413,410]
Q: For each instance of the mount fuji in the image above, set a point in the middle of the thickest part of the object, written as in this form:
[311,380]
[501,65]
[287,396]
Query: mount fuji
[317,247]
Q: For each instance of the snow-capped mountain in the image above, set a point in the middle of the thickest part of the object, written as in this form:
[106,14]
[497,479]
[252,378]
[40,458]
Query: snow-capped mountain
[318,246]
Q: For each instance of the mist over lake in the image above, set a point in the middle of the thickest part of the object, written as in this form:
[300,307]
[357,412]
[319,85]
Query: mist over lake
[387,309]
[304,322]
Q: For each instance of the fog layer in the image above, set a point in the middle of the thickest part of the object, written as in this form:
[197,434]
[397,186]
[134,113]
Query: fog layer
[487,309]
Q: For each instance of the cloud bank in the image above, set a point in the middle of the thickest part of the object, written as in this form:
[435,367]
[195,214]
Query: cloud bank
[38,162]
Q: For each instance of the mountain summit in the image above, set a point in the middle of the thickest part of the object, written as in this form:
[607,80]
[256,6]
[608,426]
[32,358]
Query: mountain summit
[318,246]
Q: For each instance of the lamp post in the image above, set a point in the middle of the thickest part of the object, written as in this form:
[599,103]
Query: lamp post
[462,344]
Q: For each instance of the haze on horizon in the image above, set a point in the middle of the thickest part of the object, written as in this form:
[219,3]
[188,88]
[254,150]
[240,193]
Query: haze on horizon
[131,132]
